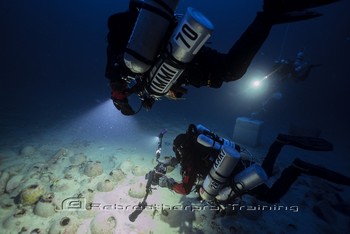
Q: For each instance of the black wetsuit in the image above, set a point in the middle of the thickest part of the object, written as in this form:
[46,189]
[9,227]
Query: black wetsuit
[209,67]
[193,158]
[290,174]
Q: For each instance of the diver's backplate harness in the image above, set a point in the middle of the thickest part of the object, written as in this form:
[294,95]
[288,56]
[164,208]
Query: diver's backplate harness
[160,47]
[220,185]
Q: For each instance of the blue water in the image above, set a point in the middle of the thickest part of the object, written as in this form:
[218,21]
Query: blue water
[53,91]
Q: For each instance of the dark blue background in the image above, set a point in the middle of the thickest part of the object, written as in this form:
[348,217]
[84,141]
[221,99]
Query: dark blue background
[52,60]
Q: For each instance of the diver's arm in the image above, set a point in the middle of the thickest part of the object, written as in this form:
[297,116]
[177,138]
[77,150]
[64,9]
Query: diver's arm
[120,26]
[185,187]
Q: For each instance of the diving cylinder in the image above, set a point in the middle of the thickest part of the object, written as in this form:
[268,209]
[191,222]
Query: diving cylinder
[209,142]
[188,37]
[219,173]
[206,141]
[202,129]
[151,26]
[246,180]
[251,177]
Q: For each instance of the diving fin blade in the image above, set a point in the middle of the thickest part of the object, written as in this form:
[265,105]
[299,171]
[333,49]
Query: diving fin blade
[295,16]
[307,143]
[294,5]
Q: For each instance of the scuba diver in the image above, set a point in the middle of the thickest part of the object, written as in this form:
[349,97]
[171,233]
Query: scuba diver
[283,69]
[297,70]
[213,167]
[153,53]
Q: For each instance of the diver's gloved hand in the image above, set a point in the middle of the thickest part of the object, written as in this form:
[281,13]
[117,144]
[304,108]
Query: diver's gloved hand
[147,103]
[121,103]
[124,107]
[119,97]
[165,181]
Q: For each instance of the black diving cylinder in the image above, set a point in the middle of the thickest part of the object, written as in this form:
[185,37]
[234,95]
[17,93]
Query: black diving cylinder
[149,32]
[219,173]
[187,39]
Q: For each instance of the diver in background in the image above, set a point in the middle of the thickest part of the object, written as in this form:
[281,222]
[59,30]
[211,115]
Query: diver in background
[284,69]
[208,68]
[297,70]
[197,160]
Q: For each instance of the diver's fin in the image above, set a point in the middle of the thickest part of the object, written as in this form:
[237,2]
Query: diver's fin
[307,143]
[294,16]
[281,6]
[321,172]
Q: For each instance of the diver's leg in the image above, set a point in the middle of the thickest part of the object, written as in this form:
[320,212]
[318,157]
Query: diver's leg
[324,173]
[291,174]
[294,5]
[241,54]
[243,51]
[271,156]
[306,143]
[279,188]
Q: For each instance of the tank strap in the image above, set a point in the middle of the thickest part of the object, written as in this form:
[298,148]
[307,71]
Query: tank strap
[171,60]
[138,56]
[165,6]
[143,5]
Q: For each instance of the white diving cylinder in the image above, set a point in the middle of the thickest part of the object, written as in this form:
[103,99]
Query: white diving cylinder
[152,24]
[202,129]
[206,141]
[219,173]
[209,142]
[187,39]
[246,180]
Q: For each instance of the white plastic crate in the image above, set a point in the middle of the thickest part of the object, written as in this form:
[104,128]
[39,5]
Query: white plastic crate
[247,131]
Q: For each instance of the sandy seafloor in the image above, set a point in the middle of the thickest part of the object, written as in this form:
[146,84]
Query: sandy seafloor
[55,157]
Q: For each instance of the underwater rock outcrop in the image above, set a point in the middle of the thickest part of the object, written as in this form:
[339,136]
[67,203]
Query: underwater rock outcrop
[14,182]
[93,169]
[59,155]
[60,185]
[31,194]
[64,225]
[137,190]
[103,223]
[106,185]
[13,222]
[45,207]
[78,159]
[139,171]
[117,175]
[126,166]
[4,178]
